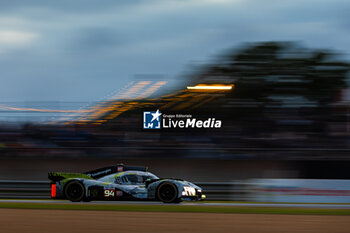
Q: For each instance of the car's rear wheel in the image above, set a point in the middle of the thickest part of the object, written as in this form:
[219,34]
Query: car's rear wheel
[75,191]
[167,192]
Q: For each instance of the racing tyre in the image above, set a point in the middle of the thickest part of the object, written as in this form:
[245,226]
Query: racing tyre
[75,191]
[167,192]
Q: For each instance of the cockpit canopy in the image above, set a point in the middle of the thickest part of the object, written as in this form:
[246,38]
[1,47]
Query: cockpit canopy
[133,178]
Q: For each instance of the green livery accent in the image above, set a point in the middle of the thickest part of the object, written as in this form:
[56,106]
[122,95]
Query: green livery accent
[106,183]
[58,176]
[119,174]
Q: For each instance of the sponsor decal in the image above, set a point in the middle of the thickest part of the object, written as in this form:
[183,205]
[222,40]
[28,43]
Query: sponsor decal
[109,192]
[119,169]
[99,173]
[119,193]
[157,120]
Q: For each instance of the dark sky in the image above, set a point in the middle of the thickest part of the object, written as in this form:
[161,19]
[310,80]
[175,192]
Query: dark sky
[82,50]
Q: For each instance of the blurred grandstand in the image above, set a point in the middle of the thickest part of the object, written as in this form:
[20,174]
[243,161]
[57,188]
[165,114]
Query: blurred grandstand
[287,103]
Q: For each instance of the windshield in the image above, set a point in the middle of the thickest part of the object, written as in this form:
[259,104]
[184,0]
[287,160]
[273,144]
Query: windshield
[135,178]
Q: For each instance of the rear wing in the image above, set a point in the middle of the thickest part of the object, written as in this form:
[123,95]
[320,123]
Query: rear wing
[101,172]
[58,176]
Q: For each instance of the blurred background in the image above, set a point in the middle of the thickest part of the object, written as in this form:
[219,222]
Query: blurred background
[75,79]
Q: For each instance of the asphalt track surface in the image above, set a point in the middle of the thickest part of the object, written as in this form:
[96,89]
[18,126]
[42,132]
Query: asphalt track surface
[322,206]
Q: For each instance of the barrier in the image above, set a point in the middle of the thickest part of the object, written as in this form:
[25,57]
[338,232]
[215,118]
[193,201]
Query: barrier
[216,191]
[300,190]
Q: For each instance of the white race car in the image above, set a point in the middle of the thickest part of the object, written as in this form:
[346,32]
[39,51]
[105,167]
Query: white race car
[121,183]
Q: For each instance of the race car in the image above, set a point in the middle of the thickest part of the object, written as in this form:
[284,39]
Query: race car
[121,182]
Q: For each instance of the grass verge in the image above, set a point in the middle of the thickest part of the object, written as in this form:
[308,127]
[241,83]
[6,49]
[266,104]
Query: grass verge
[179,208]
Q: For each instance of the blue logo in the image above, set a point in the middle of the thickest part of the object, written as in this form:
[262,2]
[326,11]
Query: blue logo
[151,120]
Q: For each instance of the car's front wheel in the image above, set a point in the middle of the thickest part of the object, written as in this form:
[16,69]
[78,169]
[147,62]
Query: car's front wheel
[167,192]
[74,191]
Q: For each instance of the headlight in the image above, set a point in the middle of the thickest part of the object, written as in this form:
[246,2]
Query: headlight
[189,191]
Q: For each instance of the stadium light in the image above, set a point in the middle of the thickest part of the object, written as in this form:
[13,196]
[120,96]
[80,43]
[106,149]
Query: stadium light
[211,87]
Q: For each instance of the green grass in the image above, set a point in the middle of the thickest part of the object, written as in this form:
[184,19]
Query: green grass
[179,208]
